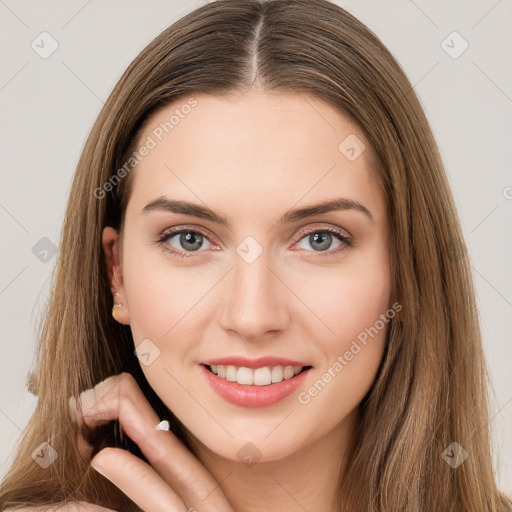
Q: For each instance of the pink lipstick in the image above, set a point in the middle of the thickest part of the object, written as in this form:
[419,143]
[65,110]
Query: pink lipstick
[269,391]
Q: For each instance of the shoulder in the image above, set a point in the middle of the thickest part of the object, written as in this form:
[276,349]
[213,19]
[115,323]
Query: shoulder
[76,506]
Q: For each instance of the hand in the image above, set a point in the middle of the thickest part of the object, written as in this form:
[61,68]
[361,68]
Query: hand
[174,480]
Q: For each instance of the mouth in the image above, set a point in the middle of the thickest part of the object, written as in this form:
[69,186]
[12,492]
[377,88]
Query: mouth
[258,387]
[263,376]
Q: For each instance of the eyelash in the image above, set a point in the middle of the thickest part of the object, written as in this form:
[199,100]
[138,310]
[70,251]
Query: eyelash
[164,237]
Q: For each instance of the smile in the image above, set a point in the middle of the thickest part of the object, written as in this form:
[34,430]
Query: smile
[254,387]
[255,377]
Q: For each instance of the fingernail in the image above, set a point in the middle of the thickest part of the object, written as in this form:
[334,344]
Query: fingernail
[97,467]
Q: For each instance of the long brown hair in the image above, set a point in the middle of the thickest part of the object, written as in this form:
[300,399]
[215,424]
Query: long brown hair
[431,387]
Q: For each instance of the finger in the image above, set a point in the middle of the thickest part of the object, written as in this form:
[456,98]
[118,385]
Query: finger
[95,432]
[137,480]
[93,435]
[119,397]
[85,447]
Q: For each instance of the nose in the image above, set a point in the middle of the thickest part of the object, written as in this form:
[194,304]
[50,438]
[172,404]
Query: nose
[256,300]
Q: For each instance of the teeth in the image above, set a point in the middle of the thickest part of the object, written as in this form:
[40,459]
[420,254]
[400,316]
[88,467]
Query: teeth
[231,373]
[258,377]
[277,374]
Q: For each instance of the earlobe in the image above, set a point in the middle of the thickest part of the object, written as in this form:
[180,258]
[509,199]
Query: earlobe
[111,249]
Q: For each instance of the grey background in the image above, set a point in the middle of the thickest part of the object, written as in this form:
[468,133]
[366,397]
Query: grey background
[48,107]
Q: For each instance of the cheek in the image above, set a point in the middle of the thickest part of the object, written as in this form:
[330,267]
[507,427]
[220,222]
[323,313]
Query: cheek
[357,304]
[166,308]
[353,307]
[162,300]
[353,304]
[347,300]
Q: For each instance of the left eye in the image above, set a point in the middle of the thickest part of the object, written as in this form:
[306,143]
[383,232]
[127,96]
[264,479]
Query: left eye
[321,241]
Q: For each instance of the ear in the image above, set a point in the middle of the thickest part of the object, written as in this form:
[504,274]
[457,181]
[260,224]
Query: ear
[111,248]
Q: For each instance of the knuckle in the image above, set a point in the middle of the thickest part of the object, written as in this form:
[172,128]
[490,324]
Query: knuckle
[128,385]
[87,400]
[110,386]
[108,382]
[127,378]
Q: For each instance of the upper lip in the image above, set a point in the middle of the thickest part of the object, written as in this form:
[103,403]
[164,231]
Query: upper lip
[255,363]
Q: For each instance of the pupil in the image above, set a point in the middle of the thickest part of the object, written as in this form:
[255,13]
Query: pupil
[193,239]
[323,238]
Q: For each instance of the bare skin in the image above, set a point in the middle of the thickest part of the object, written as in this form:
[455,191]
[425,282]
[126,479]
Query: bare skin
[250,160]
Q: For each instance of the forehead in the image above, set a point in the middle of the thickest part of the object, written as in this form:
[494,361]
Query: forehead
[252,149]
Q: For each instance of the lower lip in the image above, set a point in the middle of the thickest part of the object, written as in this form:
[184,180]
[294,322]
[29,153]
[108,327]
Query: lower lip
[253,396]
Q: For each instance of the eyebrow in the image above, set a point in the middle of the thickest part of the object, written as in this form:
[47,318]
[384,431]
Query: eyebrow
[186,208]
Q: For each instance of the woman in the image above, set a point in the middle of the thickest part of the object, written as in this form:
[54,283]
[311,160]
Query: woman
[257,304]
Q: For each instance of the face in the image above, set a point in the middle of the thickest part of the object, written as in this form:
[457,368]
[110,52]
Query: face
[244,270]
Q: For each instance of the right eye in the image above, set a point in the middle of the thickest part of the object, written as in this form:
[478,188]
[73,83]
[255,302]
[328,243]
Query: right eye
[183,242]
